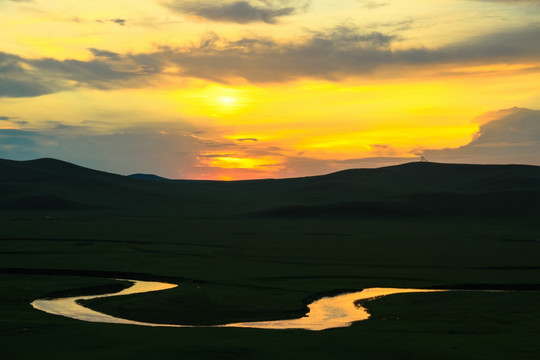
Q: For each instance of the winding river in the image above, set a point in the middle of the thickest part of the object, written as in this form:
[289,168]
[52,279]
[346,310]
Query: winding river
[325,313]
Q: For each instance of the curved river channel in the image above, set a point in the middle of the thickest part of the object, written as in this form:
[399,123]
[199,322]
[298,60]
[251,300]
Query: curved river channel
[325,313]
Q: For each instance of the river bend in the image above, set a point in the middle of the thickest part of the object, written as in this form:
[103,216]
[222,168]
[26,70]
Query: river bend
[325,313]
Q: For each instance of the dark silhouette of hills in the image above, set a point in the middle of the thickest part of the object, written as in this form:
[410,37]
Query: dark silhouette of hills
[150,177]
[415,189]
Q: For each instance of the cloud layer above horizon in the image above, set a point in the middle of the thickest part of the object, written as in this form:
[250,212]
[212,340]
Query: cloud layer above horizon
[268,88]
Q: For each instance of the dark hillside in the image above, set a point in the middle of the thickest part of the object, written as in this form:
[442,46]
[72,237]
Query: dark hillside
[150,177]
[409,190]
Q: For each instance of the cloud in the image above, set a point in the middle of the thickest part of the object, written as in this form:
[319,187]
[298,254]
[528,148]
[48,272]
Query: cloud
[104,54]
[212,156]
[510,45]
[332,54]
[504,136]
[247,139]
[17,80]
[178,151]
[241,12]
[108,70]
[117,21]
[13,120]
[516,126]
[120,22]
[372,4]
[537,2]
[323,54]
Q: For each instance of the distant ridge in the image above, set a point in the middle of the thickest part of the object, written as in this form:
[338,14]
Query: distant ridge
[150,177]
[417,189]
[43,167]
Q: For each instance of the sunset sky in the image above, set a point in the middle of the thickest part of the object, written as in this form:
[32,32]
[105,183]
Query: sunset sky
[269,88]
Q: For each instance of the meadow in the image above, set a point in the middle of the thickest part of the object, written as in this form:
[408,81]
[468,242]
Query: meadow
[262,250]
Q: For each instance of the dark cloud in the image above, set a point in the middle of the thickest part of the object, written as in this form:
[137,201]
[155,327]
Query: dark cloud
[13,120]
[15,133]
[24,87]
[104,54]
[120,22]
[336,53]
[508,46]
[537,2]
[106,71]
[19,81]
[241,12]
[333,54]
[247,139]
[505,136]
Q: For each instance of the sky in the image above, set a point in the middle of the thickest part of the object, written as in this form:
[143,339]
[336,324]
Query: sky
[249,89]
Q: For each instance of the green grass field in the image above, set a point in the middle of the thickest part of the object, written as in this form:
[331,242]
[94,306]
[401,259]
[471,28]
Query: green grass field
[262,250]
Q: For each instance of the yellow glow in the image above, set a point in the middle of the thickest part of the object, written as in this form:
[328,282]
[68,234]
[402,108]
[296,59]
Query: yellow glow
[233,162]
[226,178]
[210,100]
[231,123]
[403,142]
[6,125]
[227,100]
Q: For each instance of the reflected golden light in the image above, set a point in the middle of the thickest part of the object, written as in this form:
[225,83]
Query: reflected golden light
[332,312]
[324,313]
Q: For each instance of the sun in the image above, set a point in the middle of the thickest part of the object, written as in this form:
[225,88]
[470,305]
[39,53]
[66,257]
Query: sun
[227,100]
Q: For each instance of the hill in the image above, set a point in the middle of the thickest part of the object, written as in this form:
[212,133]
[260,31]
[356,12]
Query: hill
[261,250]
[408,190]
[150,177]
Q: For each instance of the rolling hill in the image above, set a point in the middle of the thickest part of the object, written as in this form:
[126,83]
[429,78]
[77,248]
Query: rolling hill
[408,190]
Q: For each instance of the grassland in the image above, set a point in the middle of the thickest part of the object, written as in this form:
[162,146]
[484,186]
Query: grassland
[262,249]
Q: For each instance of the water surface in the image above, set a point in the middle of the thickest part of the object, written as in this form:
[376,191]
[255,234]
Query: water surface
[71,307]
[325,313]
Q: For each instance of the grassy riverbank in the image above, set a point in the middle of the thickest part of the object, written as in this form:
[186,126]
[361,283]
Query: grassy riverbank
[234,264]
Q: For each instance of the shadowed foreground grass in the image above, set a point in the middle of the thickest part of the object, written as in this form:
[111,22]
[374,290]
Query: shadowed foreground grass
[269,269]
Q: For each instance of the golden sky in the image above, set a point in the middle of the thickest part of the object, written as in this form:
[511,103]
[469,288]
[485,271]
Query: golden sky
[268,88]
